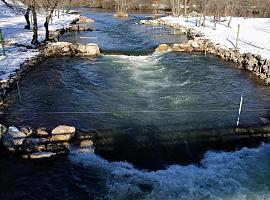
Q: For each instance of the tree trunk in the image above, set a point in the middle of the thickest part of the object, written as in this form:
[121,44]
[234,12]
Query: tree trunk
[46,25]
[185,7]
[7,4]
[26,16]
[35,26]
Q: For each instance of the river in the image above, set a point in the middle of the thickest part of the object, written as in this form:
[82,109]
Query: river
[165,122]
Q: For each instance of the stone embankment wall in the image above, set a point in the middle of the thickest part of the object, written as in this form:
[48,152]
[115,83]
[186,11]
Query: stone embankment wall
[197,43]
[69,49]
[41,143]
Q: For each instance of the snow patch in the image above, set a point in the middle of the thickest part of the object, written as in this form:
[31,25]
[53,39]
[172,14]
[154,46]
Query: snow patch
[254,33]
[17,39]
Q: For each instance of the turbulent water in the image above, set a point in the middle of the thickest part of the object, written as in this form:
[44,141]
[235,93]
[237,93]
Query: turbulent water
[165,122]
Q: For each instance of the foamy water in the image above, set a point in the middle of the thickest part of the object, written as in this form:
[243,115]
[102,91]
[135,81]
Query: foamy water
[240,175]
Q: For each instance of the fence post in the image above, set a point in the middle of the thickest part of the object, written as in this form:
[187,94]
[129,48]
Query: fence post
[237,36]
[2,42]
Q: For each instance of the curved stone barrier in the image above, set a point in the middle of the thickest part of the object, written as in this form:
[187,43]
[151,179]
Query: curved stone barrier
[247,61]
[41,143]
[69,49]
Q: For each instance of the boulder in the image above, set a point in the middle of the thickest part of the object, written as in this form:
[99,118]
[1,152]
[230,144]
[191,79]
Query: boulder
[162,48]
[194,44]
[13,138]
[265,68]
[263,76]
[184,46]
[86,144]
[41,132]
[85,140]
[251,64]
[85,20]
[65,48]
[267,80]
[176,47]
[32,145]
[63,133]
[39,155]
[57,146]
[144,21]
[81,48]
[26,130]
[92,49]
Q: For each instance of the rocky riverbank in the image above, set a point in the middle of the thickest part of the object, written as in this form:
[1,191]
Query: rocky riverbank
[42,143]
[51,49]
[197,43]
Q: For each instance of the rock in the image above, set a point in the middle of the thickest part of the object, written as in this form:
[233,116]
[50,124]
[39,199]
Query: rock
[3,130]
[85,140]
[162,48]
[39,155]
[184,46]
[13,138]
[194,44]
[263,76]
[57,146]
[267,80]
[265,68]
[65,48]
[26,130]
[143,21]
[176,47]
[85,20]
[81,48]
[86,144]
[42,132]
[190,49]
[63,133]
[92,49]
[32,145]
[251,63]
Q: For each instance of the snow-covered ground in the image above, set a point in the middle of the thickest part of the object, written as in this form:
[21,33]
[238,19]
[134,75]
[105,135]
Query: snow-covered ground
[12,25]
[254,33]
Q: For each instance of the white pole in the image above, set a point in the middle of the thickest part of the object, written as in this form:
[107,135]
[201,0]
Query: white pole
[240,109]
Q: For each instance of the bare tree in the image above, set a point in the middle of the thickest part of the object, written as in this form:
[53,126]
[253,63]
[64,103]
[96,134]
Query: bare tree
[121,8]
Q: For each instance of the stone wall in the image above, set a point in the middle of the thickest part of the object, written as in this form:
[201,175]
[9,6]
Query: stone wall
[197,43]
[42,143]
[69,49]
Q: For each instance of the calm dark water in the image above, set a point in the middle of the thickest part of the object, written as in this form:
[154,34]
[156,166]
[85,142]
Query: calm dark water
[155,115]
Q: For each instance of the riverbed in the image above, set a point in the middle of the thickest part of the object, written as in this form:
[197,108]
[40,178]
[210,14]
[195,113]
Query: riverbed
[165,122]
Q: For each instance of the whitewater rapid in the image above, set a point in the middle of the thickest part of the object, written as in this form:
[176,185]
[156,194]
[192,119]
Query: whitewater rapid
[239,175]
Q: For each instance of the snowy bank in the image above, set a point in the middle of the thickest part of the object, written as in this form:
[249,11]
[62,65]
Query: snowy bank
[18,46]
[254,33]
